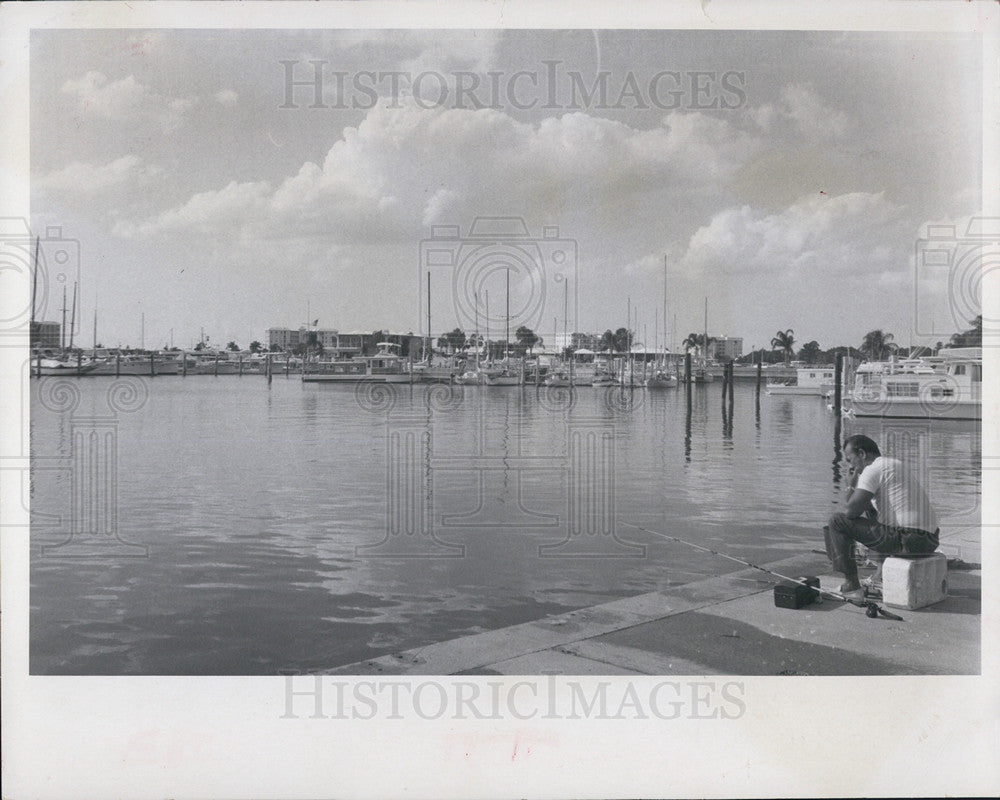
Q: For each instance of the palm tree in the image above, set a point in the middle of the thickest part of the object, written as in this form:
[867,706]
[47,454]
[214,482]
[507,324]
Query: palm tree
[697,341]
[970,338]
[876,343]
[622,340]
[810,352]
[526,337]
[784,340]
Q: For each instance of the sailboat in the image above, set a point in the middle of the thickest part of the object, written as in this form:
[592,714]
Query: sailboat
[426,370]
[701,373]
[661,377]
[504,375]
[473,376]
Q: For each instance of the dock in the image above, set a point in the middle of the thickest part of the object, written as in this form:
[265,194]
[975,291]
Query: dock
[726,624]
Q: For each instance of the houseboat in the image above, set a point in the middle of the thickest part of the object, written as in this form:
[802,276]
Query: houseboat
[942,387]
[385,366]
[817,381]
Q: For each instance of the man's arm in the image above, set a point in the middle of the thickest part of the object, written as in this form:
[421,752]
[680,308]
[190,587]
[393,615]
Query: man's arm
[859,503]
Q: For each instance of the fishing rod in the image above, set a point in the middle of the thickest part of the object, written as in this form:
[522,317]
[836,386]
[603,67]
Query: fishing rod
[872,609]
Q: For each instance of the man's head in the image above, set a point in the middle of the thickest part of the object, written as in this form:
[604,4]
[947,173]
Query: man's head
[860,451]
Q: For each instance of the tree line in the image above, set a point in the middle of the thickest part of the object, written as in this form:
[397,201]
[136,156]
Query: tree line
[877,345]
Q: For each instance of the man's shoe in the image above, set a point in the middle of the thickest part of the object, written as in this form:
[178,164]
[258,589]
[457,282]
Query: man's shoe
[852,591]
[872,586]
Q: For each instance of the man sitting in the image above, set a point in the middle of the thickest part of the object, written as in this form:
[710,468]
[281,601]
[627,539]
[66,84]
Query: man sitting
[905,523]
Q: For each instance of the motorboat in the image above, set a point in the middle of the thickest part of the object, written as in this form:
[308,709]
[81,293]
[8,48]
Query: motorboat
[946,386]
[385,366]
[816,381]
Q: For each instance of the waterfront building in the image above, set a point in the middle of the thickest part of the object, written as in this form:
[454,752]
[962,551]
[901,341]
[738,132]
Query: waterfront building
[284,339]
[728,348]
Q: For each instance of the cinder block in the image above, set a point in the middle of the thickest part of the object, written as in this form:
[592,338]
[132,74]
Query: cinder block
[915,581]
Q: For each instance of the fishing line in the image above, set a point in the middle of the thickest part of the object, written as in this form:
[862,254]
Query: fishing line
[872,609]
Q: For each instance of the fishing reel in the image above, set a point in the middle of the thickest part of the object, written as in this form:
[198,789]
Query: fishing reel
[873,610]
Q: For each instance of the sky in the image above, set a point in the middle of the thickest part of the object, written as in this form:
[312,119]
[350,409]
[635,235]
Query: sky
[231,181]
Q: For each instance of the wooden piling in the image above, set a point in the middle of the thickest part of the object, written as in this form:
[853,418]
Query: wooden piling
[732,392]
[838,375]
[760,368]
[240,365]
[118,364]
[687,368]
[216,365]
[79,364]
[152,366]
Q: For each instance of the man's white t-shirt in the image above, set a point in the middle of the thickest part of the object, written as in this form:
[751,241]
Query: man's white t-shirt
[899,498]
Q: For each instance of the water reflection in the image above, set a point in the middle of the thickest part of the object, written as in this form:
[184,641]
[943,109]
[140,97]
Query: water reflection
[838,454]
[687,427]
[254,504]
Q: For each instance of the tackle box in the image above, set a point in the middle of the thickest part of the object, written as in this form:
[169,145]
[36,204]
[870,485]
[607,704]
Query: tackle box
[795,595]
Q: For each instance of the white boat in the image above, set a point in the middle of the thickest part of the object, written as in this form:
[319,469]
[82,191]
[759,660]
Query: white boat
[135,364]
[63,366]
[661,380]
[560,377]
[701,374]
[386,366]
[946,386]
[437,372]
[469,378]
[501,375]
[816,381]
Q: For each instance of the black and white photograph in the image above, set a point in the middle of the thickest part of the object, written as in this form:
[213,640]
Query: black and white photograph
[520,391]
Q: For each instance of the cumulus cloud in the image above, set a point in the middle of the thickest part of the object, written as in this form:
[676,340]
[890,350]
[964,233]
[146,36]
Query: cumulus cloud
[127,98]
[855,234]
[801,107]
[404,168]
[206,212]
[88,179]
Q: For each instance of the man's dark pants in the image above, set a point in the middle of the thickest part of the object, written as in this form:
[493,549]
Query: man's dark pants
[843,531]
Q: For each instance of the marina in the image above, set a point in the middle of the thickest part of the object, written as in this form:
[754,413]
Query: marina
[315,555]
[516,400]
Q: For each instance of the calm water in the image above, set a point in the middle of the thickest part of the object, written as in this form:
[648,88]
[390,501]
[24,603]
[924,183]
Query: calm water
[247,530]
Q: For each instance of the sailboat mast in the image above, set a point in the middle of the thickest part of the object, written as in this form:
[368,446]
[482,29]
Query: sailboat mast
[664,310]
[566,315]
[62,331]
[706,334]
[656,339]
[34,287]
[506,333]
[479,344]
[628,337]
[72,319]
